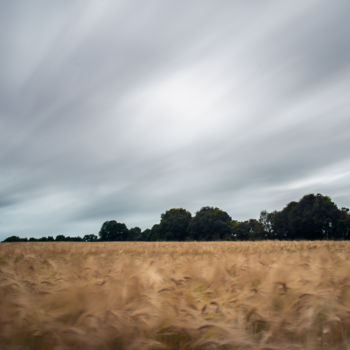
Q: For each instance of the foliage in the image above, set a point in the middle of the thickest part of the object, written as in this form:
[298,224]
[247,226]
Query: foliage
[113,231]
[210,224]
[313,217]
[145,235]
[134,234]
[154,234]
[174,225]
[90,238]
[15,239]
[62,238]
[248,230]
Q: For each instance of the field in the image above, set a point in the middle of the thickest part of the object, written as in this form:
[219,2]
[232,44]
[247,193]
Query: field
[239,295]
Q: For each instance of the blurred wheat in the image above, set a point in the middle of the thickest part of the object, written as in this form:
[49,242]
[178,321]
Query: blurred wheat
[249,295]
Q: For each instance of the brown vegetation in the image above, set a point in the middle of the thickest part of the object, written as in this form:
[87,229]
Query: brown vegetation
[248,295]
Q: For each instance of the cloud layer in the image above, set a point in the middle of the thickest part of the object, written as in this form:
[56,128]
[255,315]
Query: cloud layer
[122,110]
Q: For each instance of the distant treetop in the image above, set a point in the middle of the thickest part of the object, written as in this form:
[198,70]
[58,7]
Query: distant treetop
[313,217]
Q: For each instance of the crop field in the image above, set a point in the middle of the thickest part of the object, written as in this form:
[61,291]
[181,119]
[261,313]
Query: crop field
[212,295]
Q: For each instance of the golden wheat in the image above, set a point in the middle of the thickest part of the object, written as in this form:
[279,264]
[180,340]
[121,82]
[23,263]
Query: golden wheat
[248,295]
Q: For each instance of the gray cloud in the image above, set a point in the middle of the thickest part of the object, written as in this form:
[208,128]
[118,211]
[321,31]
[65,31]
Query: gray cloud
[125,109]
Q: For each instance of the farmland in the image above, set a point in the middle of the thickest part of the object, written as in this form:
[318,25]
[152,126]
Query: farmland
[161,295]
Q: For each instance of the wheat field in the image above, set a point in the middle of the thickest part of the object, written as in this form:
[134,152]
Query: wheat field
[212,295]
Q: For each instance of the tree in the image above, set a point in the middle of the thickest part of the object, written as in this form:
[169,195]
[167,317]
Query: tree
[15,239]
[344,224]
[313,217]
[174,225]
[74,239]
[265,220]
[347,227]
[113,231]
[134,234]
[145,235]
[211,224]
[154,234]
[240,230]
[248,230]
[90,238]
[60,238]
[285,223]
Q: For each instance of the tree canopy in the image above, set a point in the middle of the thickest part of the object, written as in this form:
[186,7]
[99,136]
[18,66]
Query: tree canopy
[174,225]
[312,217]
[113,231]
[211,224]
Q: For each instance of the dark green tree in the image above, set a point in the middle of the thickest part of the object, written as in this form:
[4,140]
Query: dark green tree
[90,238]
[265,220]
[240,230]
[74,239]
[61,238]
[113,231]
[134,234]
[15,239]
[154,234]
[344,224]
[248,230]
[211,224]
[313,217]
[145,235]
[174,225]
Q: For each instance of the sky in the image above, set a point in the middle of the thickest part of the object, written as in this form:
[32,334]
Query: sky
[121,110]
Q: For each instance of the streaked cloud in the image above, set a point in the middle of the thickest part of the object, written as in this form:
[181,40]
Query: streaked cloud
[119,109]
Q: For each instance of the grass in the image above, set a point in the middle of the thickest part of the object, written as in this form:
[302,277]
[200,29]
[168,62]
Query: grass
[212,295]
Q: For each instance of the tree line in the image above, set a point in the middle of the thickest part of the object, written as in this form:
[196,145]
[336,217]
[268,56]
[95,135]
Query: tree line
[313,217]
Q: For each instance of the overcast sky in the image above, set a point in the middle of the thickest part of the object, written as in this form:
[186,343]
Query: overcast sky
[124,109]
